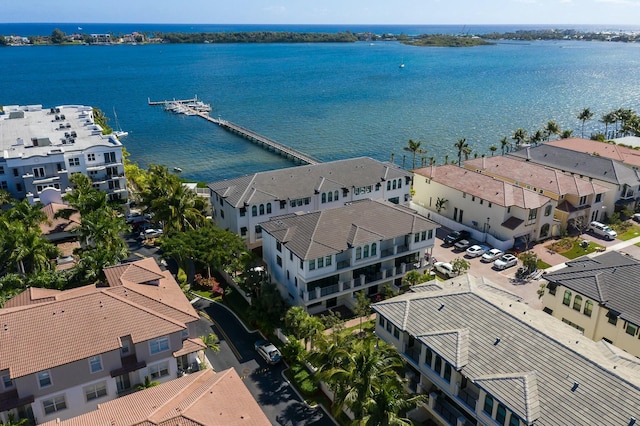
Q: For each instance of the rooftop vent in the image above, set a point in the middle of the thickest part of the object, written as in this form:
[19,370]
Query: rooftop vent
[575,386]
[632,421]
[496,342]
[441,307]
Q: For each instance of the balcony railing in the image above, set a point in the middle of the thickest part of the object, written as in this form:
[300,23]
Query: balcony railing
[470,399]
[448,412]
[413,353]
[343,264]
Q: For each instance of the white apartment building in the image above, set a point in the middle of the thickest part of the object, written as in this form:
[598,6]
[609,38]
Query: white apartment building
[41,148]
[242,204]
[319,260]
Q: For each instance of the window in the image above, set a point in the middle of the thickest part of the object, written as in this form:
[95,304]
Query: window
[109,157]
[438,365]
[292,203]
[447,372]
[261,209]
[547,210]
[330,196]
[430,234]
[423,235]
[577,303]
[374,249]
[598,198]
[381,321]
[254,211]
[75,161]
[533,214]
[394,184]
[416,238]
[358,253]
[399,183]
[632,329]
[307,200]
[552,289]
[95,391]
[258,230]
[312,264]
[429,357]
[7,382]
[279,246]
[327,260]
[44,379]
[396,332]
[243,231]
[279,261]
[125,346]
[268,208]
[3,184]
[365,253]
[158,345]
[583,200]
[588,308]
[335,196]
[54,404]
[324,198]
[283,204]
[388,185]
[514,421]
[488,405]
[501,414]
[320,262]
[15,172]
[566,300]
[38,172]
[91,157]
[95,364]
[290,255]
[613,318]
[243,211]
[159,370]
[1,170]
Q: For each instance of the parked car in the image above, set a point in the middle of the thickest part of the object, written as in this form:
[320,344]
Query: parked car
[462,245]
[445,269]
[268,351]
[506,261]
[477,250]
[491,255]
[136,217]
[455,236]
[636,217]
[150,233]
[602,230]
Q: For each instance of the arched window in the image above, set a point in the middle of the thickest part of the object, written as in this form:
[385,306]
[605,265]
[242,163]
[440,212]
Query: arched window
[268,208]
[577,303]
[544,230]
[547,210]
[335,195]
[374,249]
[324,197]
[395,184]
[330,196]
[366,251]
[261,209]
[254,211]
[358,253]
[399,183]
[488,405]
[566,300]
[588,307]
[388,185]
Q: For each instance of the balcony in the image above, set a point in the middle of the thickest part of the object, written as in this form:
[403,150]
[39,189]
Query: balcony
[447,410]
[343,264]
[413,353]
[129,363]
[469,398]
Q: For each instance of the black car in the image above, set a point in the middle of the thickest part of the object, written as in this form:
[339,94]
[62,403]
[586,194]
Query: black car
[455,236]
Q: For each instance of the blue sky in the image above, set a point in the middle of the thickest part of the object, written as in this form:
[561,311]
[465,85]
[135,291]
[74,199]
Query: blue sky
[325,11]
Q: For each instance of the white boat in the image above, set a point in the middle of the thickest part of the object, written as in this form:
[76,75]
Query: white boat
[177,169]
[118,130]
[402,63]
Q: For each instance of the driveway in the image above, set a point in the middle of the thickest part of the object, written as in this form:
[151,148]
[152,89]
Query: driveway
[277,398]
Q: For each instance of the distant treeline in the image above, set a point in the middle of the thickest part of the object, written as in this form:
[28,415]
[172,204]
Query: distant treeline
[257,37]
[444,40]
[561,35]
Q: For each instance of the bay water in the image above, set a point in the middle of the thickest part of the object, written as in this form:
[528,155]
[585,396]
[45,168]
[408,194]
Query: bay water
[331,101]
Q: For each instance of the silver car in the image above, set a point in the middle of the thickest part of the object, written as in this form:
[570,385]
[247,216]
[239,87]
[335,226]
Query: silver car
[506,261]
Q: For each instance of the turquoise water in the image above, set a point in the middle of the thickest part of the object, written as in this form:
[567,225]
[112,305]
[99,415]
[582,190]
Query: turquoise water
[331,101]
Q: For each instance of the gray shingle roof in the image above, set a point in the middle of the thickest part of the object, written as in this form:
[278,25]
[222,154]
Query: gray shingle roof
[610,279]
[533,367]
[604,169]
[331,231]
[303,181]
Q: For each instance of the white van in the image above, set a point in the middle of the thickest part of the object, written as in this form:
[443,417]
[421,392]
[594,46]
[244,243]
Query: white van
[602,230]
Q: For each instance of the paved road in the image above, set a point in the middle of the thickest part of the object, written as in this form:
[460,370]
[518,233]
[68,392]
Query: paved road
[276,397]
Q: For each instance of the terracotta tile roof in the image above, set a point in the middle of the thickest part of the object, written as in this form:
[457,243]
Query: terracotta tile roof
[60,224]
[31,296]
[624,154]
[46,335]
[483,186]
[190,346]
[535,175]
[204,398]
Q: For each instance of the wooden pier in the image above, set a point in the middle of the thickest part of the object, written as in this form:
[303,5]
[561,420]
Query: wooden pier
[262,141]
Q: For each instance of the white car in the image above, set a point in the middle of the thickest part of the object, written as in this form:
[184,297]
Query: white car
[477,250]
[268,351]
[462,244]
[491,255]
[150,233]
[445,269]
[506,261]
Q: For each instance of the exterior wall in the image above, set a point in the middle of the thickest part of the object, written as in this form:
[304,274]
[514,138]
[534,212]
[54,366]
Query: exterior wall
[480,215]
[595,327]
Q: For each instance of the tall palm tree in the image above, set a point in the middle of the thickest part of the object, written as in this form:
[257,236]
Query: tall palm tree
[462,146]
[493,149]
[608,118]
[414,148]
[504,143]
[385,406]
[566,134]
[520,136]
[584,116]
[211,341]
[552,128]
[537,137]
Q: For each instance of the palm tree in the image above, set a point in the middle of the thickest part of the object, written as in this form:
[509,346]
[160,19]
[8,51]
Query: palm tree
[504,143]
[552,128]
[414,148]
[537,137]
[608,118]
[212,343]
[462,147]
[584,116]
[566,134]
[147,384]
[385,406]
[493,149]
[520,136]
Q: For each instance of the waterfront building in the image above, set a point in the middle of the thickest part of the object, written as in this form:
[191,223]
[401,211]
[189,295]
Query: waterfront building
[624,154]
[485,358]
[493,211]
[321,259]
[623,180]
[204,398]
[598,296]
[242,204]
[41,148]
[576,198]
[66,352]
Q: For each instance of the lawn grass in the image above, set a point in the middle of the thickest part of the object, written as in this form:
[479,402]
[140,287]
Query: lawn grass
[632,232]
[541,264]
[577,251]
[206,294]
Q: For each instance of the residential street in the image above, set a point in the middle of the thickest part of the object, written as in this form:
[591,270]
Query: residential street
[276,396]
